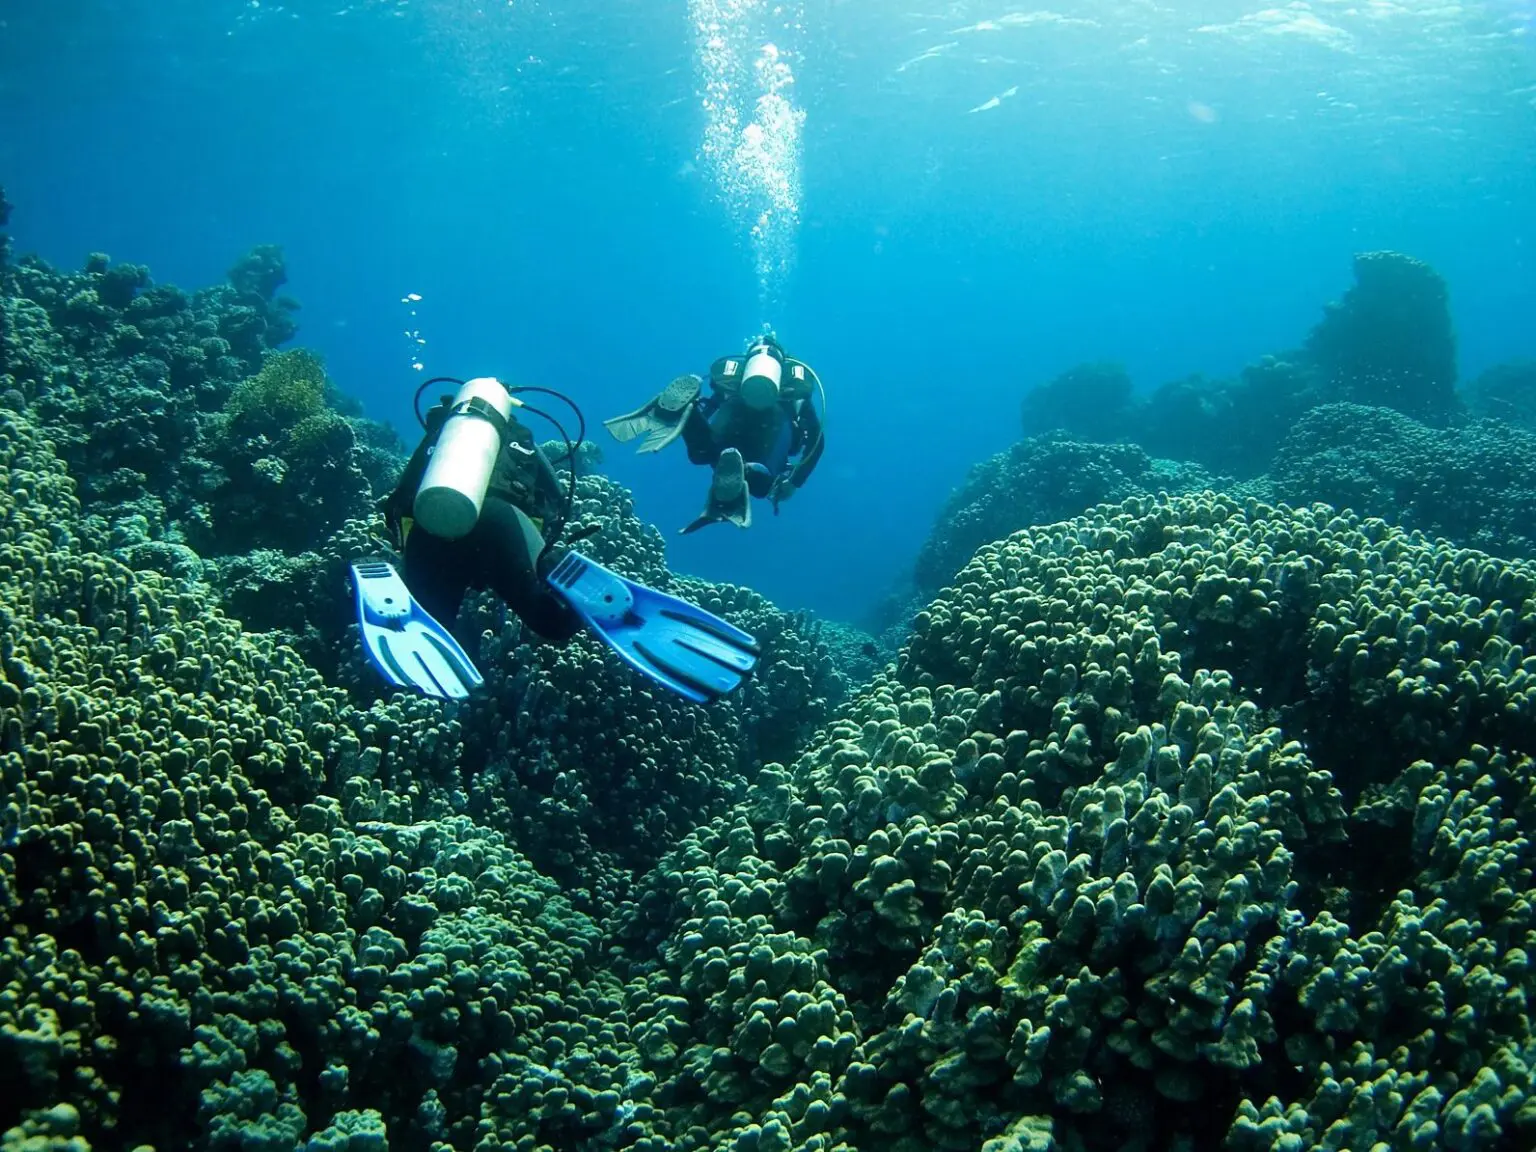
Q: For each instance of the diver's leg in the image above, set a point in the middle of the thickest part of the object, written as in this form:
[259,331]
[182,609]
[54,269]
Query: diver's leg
[767,454]
[436,574]
[759,480]
[656,423]
[507,548]
[702,437]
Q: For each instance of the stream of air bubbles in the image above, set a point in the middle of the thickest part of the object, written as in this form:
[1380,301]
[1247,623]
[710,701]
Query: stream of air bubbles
[751,145]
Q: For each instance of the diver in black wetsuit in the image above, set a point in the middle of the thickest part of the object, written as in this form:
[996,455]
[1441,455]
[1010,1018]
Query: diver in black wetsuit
[501,551]
[757,429]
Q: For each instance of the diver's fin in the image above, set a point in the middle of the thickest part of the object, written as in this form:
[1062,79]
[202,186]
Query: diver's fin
[405,644]
[660,421]
[681,647]
[729,501]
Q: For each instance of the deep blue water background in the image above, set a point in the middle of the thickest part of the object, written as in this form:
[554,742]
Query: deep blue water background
[1181,196]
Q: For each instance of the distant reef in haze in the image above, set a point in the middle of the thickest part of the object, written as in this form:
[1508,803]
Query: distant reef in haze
[1367,414]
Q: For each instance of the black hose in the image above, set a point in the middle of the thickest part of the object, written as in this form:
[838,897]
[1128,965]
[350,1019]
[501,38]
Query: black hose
[581,421]
[425,384]
[570,489]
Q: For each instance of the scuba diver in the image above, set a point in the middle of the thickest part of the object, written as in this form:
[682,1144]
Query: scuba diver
[757,418]
[480,506]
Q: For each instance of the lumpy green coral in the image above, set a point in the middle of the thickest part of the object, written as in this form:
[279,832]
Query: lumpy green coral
[1093,853]
[1475,483]
[1187,822]
[287,463]
[289,389]
[182,890]
[1039,480]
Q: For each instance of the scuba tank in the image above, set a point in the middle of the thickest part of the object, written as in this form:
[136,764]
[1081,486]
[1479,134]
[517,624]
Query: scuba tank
[452,490]
[761,376]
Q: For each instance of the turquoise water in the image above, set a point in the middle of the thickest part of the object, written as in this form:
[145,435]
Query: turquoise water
[961,201]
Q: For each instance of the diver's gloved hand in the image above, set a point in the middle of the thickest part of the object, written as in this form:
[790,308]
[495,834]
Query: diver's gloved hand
[394,535]
[781,491]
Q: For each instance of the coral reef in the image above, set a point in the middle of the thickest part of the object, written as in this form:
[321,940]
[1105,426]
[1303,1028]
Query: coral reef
[287,463]
[1191,822]
[1188,821]
[1364,416]
[259,317]
[153,398]
[171,890]
[1389,342]
[1506,392]
[1038,480]
[300,598]
[1230,427]
[5,239]
[283,875]
[1088,402]
[593,771]
[1475,484]
[1175,826]
[857,654]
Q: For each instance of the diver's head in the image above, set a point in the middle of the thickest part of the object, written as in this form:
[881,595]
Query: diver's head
[760,378]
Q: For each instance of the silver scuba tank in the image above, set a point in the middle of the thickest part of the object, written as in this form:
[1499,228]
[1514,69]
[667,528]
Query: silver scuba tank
[761,377]
[452,490]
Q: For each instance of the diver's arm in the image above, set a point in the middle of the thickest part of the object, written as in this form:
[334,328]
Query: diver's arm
[815,441]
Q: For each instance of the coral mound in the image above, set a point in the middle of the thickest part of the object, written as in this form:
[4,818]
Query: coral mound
[1475,484]
[1389,341]
[1039,480]
[1190,823]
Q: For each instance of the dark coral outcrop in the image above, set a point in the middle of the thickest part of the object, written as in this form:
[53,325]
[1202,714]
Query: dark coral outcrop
[1388,341]
[175,413]
[1475,483]
[1088,401]
[1506,392]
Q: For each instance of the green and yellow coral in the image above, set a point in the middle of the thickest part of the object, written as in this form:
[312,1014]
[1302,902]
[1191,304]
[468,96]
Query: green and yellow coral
[1140,835]
[1187,822]
[289,389]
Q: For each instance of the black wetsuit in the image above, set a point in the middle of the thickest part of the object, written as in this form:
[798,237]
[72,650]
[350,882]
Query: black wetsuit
[768,438]
[496,554]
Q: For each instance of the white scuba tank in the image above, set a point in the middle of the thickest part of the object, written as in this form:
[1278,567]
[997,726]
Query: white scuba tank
[759,388]
[452,490]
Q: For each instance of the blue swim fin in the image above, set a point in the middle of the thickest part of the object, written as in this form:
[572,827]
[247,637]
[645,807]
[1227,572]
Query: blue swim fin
[693,652]
[411,649]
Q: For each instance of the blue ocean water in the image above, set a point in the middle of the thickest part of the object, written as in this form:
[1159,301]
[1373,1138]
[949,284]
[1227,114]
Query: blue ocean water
[961,201]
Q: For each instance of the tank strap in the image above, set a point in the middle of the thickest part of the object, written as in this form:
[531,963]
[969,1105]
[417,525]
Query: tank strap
[477,406]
